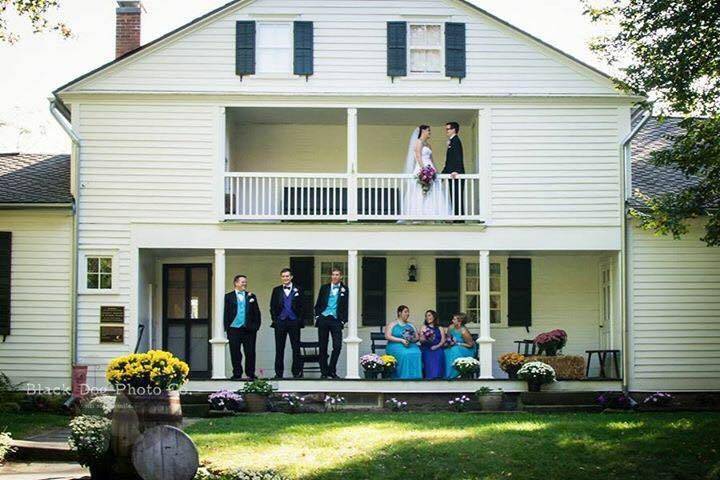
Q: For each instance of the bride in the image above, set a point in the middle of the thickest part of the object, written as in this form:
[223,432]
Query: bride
[416,202]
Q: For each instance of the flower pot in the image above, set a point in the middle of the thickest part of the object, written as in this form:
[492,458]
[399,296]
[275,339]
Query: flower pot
[490,402]
[467,375]
[534,386]
[371,375]
[386,374]
[256,403]
[550,350]
[512,371]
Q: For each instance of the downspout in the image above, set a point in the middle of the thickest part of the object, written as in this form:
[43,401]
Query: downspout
[624,267]
[75,175]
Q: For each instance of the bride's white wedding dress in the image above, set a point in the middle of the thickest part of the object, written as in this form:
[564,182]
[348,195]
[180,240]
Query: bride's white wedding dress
[435,202]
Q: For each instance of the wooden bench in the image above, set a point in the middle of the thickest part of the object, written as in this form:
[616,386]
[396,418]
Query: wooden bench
[602,357]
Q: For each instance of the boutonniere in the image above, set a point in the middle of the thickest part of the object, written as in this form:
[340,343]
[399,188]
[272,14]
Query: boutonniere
[297,294]
[252,299]
[342,294]
[342,289]
[295,289]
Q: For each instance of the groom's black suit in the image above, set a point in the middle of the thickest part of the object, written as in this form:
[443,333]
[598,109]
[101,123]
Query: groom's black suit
[454,163]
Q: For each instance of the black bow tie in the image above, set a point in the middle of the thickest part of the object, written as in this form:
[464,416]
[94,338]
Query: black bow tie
[286,288]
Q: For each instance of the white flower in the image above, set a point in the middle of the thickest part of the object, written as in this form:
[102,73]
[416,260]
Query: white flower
[251,300]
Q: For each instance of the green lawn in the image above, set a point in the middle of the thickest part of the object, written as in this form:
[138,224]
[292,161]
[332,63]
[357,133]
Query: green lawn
[20,425]
[451,446]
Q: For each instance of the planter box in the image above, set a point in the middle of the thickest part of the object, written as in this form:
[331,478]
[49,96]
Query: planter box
[256,403]
[490,402]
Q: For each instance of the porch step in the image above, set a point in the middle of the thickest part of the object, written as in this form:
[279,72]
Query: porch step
[561,408]
[44,451]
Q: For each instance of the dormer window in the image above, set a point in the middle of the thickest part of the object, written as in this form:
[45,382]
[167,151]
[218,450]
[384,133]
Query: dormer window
[425,48]
[274,48]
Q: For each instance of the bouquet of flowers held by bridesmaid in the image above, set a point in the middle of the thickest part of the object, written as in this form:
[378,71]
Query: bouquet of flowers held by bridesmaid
[427,335]
[409,334]
[426,176]
[449,341]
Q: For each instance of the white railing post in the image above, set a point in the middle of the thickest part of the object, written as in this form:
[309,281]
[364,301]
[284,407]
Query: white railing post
[485,342]
[218,341]
[352,155]
[352,341]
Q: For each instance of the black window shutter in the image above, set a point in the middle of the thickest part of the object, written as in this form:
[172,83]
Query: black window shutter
[455,50]
[245,48]
[374,291]
[303,48]
[447,288]
[519,292]
[397,49]
[303,269]
[5,261]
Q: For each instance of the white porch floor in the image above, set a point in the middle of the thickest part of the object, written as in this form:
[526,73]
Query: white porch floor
[406,386]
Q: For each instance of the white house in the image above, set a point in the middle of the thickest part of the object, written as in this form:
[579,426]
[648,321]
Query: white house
[271,133]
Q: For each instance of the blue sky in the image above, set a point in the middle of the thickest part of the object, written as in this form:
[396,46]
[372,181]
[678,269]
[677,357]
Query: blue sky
[39,63]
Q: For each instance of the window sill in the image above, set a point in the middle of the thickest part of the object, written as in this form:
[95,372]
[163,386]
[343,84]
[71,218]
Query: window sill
[275,76]
[93,291]
[423,78]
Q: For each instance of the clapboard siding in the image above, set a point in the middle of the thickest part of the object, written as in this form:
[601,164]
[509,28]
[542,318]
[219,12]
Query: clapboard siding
[675,320]
[350,55]
[140,162]
[38,349]
[555,166]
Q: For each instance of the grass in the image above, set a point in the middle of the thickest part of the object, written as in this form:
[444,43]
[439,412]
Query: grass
[22,425]
[452,446]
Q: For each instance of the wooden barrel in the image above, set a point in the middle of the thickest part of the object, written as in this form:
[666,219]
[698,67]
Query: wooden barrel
[133,414]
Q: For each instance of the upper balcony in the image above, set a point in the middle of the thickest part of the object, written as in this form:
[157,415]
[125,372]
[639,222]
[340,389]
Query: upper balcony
[325,164]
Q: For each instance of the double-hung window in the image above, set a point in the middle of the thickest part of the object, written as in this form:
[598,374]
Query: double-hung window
[425,48]
[274,48]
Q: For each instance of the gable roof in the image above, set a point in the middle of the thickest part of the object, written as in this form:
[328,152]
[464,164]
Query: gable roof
[228,6]
[27,178]
[650,179]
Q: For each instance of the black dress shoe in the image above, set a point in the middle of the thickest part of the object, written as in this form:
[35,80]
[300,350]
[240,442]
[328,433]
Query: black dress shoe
[297,375]
[236,377]
[277,377]
[323,376]
[334,376]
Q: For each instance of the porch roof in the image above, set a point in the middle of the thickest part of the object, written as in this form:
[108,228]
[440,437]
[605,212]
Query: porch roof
[40,179]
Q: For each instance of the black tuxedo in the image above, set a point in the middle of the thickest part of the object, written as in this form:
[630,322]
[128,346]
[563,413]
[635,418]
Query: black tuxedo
[454,162]
[331,326]
[242,338]
[287,328]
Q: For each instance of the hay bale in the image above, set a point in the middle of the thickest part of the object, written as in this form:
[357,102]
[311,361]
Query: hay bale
[567,367]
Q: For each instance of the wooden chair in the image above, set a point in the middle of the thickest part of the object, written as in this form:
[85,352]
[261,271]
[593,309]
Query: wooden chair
[310,353]
[377,341]
[528,346]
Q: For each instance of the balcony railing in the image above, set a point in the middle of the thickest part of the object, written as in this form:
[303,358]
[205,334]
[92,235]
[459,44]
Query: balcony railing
[323,196]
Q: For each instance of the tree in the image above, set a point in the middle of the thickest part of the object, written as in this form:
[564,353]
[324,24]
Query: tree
[36,12]
[668,50]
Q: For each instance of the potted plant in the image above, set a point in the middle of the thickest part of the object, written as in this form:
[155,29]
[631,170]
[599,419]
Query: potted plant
[389,364]
[489,400]
[147,395]
[467,366]
[536,374]
[256,395]
[226,402]
[550,342]
[372,364]
[90,439]
[510,363]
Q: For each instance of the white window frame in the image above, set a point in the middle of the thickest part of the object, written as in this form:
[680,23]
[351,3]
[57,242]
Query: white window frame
[336,262]
[502,262]
[83,272]
[410,48]
[288,73]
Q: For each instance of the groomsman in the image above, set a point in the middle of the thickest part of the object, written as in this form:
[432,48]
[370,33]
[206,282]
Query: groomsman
[286,310]
[331,311]
[242,321]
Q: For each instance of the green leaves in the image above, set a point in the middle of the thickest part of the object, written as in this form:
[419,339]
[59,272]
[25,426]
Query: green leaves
[37,12]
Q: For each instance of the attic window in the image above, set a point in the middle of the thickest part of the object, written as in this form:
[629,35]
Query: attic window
[274,48]
[425,48]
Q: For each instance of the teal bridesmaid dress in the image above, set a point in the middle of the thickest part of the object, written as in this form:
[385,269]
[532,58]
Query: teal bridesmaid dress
[455,352]
[409,359]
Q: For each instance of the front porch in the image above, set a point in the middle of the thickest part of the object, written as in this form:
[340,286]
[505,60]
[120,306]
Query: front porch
[573,291]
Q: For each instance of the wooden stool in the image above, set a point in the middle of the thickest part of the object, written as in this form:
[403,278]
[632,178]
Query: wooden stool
[602,356]
[529,345]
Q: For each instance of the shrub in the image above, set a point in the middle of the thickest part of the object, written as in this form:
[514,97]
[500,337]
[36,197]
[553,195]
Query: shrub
[537,372]
[333,402]
[225,400]
[396,405]
[294,401]
[258,386]
[459,404]
[90,438]
[5,445]
[155,369]
[100,406]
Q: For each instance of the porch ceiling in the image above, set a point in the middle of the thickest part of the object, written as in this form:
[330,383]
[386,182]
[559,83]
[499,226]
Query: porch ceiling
[338,116]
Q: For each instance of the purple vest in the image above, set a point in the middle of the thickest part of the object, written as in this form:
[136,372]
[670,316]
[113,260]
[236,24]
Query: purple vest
[287,312]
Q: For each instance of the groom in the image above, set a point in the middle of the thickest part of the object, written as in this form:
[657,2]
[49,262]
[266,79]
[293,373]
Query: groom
[331,312]
[454,165]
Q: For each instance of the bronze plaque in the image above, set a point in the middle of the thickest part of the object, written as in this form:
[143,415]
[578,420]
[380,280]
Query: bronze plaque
[112,314]
[112,334]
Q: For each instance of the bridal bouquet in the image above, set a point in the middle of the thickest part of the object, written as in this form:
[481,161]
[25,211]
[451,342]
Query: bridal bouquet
[426,176]
[428,335]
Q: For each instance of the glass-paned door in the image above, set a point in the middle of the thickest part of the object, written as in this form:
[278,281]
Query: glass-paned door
[187,300]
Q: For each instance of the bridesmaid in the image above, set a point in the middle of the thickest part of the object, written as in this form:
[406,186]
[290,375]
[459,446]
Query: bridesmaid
[402,344]
[464,344]
[433,355]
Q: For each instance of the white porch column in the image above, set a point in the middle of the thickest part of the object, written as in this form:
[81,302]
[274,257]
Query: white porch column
[219,341]
[352,341]
[352,155]
[485,342]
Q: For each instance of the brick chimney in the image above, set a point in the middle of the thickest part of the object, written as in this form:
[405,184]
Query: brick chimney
[127,26]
